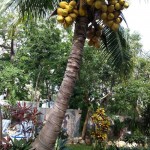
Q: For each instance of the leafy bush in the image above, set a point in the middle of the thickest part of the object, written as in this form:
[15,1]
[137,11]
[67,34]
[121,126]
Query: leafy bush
[9,144]
[79,147]
[117,127]
[139,139]
[123,148]
[100,129]
[62,141]
[21,145]
[146,120]
[19,114]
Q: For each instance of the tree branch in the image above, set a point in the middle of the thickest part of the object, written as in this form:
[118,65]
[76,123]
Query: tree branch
[4,46]
[109,94]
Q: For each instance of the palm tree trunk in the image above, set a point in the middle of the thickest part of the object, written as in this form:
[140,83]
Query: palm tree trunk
[48,135]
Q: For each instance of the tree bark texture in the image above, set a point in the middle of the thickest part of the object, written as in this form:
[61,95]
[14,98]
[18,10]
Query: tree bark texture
[48,135]
[84,130]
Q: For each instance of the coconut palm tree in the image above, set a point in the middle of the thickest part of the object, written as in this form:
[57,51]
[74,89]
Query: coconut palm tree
[113,44]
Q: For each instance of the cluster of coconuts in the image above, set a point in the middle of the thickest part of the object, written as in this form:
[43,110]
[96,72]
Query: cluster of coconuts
[67,13]
[93,36]
[110,11]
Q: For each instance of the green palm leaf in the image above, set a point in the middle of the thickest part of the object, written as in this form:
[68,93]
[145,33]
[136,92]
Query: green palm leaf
[116,48]
[35,8]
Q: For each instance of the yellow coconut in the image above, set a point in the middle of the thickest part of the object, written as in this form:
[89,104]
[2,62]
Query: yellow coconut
[104,8]
[59,11]
[118,20]
[90,2]
[73,16]
[110,16]
[126,5]
[110,23]
[121,2]
[98,4]
[118,6]
[115,26]
[103,16]
[69,8]
[64,12]
[73,3]
[63,4]
[110,8]
[113,2]
[68,20]
[60,19]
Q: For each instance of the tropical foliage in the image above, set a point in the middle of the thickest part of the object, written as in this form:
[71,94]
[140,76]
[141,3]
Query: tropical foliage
[101,128]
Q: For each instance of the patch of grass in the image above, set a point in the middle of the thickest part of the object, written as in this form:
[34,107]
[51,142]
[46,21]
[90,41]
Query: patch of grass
[79,147]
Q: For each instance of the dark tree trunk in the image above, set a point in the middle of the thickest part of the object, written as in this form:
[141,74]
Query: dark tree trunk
[12,53]
[48,135]
[84,130]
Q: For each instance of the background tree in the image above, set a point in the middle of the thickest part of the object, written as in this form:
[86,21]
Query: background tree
[36,63]
[47,58]
[10,33]
[131,99]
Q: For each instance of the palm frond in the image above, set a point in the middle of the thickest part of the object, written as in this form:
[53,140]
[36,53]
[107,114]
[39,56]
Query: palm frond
[123,17]
[34,8]
[116,48]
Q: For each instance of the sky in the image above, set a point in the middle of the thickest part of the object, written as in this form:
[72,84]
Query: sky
[138,19]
